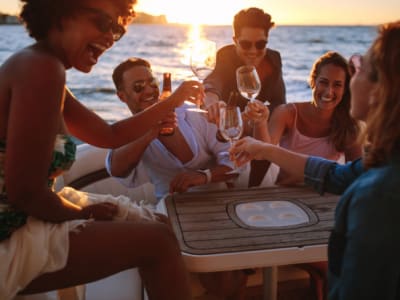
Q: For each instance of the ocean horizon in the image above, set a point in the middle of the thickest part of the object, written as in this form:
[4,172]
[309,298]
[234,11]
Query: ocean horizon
[166,48]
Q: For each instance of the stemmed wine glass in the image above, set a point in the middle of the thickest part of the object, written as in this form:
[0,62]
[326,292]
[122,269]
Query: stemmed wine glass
[248,82]
[202,61]
[230,125]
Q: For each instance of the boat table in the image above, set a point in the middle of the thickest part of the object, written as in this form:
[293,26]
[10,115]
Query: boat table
[229,230]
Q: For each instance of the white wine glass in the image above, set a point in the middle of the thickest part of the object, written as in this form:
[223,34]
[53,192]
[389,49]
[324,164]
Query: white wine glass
[248,82]
[230,126]
[202,61]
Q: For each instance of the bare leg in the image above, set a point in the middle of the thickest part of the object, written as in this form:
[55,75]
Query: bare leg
[104,248]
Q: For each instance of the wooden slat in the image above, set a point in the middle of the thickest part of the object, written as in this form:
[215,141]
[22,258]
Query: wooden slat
[206,222]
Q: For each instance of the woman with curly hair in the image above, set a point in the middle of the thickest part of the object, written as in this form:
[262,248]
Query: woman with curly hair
[364,246]
[54,240]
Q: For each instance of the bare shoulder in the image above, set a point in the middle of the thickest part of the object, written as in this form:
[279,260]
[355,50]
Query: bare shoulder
[284,111]
[30,63]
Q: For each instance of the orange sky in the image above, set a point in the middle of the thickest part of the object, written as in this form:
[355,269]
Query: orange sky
[354,12]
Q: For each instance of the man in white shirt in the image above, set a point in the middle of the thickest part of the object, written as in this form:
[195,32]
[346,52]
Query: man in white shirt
[191,158]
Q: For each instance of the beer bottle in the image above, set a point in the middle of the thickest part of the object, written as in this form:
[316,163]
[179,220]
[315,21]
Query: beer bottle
[165,93]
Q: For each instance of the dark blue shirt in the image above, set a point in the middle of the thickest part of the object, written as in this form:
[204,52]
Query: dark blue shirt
[364,247]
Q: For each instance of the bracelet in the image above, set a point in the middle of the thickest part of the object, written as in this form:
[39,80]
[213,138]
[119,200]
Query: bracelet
[208,174]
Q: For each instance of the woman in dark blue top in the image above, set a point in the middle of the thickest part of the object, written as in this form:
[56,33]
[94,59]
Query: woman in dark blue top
[364,247]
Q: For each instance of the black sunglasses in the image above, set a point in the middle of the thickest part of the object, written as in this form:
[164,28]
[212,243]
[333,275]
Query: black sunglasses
[355,63]
[139,86]
[246,45]
[104,23]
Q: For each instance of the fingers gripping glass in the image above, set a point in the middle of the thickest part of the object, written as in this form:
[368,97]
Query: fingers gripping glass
[104,23]
[355,63]
[139,86]
[246,45]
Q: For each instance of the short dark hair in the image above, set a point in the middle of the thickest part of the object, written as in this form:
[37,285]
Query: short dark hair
[252,17]
[125,66]
[40,16]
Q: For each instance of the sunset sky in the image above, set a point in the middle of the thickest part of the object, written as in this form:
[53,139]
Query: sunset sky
[300,12]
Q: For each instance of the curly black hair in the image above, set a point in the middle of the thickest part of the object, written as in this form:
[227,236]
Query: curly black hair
[39,16]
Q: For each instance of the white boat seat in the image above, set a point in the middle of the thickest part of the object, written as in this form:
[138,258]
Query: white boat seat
[88,173]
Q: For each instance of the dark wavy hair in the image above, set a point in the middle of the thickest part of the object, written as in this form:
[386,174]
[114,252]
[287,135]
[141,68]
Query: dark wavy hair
[344,127]
[125,66]
[39,16]
[252,17]
[382,136]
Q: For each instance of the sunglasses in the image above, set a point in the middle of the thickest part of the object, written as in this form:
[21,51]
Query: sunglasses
[139,86]
[355,63]
[104,23]
[246,45]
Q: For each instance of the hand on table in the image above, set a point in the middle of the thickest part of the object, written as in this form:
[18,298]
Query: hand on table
[185,180]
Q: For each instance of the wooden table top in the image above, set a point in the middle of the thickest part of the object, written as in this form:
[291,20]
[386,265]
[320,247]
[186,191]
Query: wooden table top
[206,223]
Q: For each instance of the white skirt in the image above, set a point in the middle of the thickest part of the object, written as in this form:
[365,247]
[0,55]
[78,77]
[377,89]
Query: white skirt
[40,247]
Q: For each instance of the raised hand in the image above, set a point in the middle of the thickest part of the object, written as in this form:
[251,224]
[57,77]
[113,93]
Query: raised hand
[169,121]
[189,90]
[257,112]
[247,149]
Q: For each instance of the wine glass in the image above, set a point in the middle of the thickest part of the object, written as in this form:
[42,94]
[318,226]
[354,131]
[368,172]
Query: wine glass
[248,82]
[230,126]
[202,61]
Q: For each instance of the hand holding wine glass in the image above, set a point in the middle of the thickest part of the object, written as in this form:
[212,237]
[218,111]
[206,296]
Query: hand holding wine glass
[248,82]
[230,124]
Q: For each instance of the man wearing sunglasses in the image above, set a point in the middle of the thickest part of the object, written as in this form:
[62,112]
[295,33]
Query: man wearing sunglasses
[191,157]
[251,30]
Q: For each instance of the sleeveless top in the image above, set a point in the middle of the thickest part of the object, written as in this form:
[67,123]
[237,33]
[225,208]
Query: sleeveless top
[297,142]
[63,157]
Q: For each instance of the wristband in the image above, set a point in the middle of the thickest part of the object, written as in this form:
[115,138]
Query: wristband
[208,174]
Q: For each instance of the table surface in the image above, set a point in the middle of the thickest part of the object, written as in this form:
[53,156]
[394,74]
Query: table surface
[213,238]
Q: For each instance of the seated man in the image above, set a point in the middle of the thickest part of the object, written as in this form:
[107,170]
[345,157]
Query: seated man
[191,157]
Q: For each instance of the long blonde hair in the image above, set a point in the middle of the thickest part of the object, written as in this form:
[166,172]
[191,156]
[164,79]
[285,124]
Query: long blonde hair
[382,135]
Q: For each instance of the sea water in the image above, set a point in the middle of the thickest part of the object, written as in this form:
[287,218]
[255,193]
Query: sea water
[166,47]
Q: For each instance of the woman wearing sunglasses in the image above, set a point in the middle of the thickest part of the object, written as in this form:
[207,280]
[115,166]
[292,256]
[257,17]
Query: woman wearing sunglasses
[364,247]
[46,240]
[251,30]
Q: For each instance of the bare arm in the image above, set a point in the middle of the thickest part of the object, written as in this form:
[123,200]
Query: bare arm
[126,158]
[90,128]
[249,148]
[280,119]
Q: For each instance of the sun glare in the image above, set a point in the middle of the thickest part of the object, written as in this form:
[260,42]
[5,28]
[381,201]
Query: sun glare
[210,12]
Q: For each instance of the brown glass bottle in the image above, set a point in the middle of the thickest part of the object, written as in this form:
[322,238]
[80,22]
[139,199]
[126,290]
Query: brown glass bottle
[165,93]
